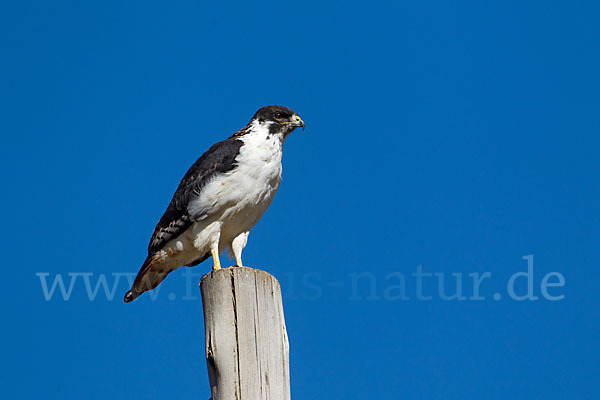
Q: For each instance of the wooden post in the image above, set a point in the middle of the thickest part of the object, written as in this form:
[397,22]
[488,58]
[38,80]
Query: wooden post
[247,350]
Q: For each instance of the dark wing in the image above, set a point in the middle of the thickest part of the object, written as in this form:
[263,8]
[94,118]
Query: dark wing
[220,158]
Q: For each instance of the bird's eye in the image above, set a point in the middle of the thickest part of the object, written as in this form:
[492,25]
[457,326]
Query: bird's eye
[278,116]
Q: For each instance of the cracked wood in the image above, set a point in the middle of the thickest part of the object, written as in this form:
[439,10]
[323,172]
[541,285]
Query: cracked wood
[247,351]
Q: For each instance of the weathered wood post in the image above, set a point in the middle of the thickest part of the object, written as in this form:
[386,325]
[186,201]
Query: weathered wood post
[247,349]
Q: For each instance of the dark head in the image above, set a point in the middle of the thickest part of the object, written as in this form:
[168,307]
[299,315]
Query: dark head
[278,119]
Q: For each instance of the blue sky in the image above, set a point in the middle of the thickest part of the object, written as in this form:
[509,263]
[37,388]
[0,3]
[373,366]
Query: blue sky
[455,136]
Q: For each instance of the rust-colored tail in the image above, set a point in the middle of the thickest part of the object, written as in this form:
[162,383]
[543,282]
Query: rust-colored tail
[149,277]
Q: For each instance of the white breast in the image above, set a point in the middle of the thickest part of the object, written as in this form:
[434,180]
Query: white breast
[241,196]
[233,202]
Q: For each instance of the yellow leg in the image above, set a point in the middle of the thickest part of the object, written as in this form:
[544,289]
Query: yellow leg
[214,249]
[216,261]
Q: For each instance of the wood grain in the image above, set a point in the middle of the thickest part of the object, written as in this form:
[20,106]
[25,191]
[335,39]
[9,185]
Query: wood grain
[247,350]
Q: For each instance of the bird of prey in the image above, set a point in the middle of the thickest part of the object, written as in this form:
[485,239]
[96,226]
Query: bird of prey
[220,198]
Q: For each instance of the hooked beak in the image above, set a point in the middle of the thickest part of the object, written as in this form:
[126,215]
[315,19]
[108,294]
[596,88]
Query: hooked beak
[298,122]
